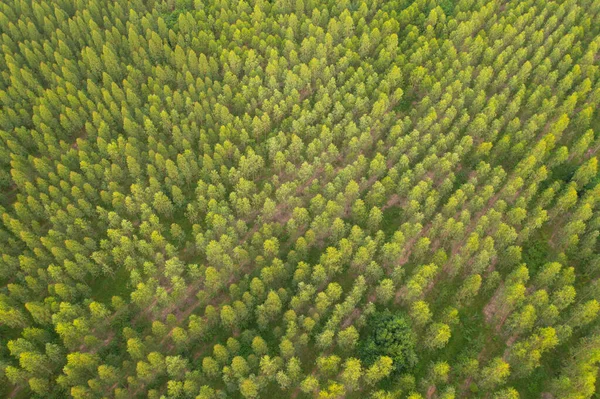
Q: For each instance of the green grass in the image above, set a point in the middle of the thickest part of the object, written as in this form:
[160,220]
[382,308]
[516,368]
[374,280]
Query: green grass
[392,217]
[536,250]
[104,288]
[447,6]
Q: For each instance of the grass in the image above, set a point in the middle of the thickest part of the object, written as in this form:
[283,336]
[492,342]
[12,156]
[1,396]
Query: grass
[538,381]
[536,250]
[447,6]
[392,217]
[103,289]
[469,338]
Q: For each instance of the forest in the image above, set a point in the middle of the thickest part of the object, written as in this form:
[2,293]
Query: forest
[383,199]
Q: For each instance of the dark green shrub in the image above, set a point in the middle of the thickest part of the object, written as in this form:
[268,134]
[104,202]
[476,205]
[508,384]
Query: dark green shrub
[389,334]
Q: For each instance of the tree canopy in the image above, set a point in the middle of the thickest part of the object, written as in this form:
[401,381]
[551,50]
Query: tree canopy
[389,334]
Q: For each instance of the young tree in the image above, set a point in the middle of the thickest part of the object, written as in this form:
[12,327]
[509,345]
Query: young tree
[351,374]
[420,313]
[309,384]
[249,388]
[382,368]
[438,335]
[348,338]
[385,290]
[494,374]
[328,365]
[508,393]
[584,313]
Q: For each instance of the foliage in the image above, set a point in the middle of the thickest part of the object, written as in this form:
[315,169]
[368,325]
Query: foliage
[389,334]
[233,198]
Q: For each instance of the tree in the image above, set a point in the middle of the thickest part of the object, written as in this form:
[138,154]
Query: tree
[180,337]
[333,391]
[469,288]
[39,385]
[584,313]
[210,367]
[228,317]
[564,297]
[586,172]
[328,365]
[380,369]
[526,355]
[271,247]
[315,162]
[351,374]
[283,380]
[420,313]
[80,367]
[136,348]
[348,338]
[176,366]
[240,367]
[259,346]
[269,367]
[438,373]
[438,335]
[547,274]
[508,393]
[495,373]
[287,349]
[309,384]
[269,309]
[389,335]
[385,290]
[577,377]
[374,219]
[523,320]
[35,363]
[163,205]
[249,388]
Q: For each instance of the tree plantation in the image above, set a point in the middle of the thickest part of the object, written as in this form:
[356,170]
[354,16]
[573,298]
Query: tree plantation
[384,199]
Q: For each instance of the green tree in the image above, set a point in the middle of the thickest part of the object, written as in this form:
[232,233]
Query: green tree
[249,388]
[586,172]
[309,384]
[328,365]
[176,366]
[163,205]
[438,335]
[495,373]
[385,290]
[351,374]
[420,313]
[584,313]
[379,370]
[259,346]
[228,317]
[389,335]
[347,339]
[508,393]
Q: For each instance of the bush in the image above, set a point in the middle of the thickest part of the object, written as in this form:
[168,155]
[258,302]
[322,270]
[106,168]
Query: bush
[389,334]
